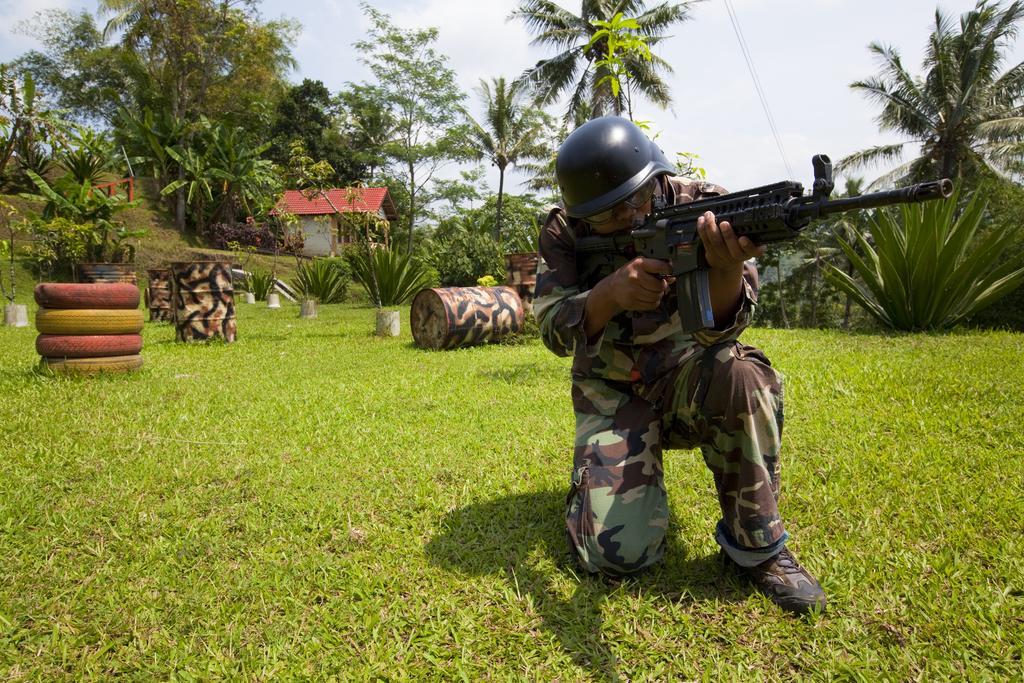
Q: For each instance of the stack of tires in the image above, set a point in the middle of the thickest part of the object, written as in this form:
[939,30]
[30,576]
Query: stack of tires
[89,328]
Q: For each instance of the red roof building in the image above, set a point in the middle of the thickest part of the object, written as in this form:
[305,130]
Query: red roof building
[323,231]
[369,199]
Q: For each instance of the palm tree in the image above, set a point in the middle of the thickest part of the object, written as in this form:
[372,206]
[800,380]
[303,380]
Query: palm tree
[573,69]
[964,113]
[247,181]
[510,132]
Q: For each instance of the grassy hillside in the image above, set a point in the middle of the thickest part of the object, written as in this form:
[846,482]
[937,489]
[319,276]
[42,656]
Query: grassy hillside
[162,244]
[313,501]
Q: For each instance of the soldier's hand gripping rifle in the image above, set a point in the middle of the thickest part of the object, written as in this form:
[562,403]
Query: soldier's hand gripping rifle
[770,213]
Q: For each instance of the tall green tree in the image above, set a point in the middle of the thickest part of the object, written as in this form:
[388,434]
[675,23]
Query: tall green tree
[423,100]
[511,131]
[201,57]
[622,42]
[77,70]
[454,195]
[369,126]
[581,68]
[966,112]
[309,113]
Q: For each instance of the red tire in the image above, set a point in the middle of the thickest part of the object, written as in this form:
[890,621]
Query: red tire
[105,295]
[88,345]
[91,366]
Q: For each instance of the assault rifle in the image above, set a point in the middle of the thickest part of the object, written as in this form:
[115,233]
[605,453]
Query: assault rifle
[770,213]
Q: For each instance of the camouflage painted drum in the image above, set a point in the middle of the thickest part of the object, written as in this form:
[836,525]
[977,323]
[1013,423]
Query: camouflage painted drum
[204,300]
[449,317]
[158,295]
[107,272]
[521,274]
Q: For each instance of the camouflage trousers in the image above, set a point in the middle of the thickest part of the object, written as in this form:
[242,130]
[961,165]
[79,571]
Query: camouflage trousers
[727,401]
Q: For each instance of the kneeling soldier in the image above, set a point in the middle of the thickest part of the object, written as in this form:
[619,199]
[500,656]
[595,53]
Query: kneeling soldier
[640,384]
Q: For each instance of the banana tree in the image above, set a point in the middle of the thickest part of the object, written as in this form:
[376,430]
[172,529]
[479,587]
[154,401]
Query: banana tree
[246,179]
[23,127]
[197,183]
[147,137]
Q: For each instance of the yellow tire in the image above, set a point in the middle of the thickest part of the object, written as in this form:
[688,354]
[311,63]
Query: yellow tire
[88,321]
[92,366]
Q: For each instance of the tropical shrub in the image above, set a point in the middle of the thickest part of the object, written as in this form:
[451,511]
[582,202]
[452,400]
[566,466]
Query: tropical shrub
[88,157]
[398,277]
[221,235]
[59,244]
[79,204]
[1006,207]
[325,280]
[929,270]
[463,256]
[260,282]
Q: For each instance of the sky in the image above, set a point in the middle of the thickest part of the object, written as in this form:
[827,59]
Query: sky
[805,52]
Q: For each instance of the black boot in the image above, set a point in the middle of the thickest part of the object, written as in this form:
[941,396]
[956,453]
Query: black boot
[785,582]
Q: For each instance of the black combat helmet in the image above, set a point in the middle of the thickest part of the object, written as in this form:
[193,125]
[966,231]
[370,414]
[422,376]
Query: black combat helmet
[603,162]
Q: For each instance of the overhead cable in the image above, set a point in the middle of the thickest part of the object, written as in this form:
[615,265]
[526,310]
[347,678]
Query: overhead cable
[757,85]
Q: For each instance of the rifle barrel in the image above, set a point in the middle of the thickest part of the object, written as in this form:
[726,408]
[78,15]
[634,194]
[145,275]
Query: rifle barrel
[935,189]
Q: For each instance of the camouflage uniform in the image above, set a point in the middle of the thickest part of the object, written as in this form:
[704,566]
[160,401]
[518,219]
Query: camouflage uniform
[643,385]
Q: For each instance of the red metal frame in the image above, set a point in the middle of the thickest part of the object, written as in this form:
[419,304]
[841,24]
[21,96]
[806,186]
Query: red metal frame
[112,187]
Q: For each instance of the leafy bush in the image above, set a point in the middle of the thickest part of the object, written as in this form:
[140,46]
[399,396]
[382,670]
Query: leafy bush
[260,282]
[220,235]
[398,277]
[462,257]
[88,156]
[487,281]
[59,244]
[929,272]
[325,280]
[77,203]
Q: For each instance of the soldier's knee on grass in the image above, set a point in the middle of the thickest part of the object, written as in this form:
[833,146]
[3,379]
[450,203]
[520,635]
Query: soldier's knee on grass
[620,552]
[616,533]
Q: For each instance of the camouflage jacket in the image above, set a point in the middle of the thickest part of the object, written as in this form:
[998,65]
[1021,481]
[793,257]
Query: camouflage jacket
[634,346]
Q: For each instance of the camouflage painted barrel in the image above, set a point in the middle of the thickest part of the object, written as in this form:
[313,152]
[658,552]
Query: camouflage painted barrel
[204,300]
[159,299]
[107,272]
[521,274]
[449,317]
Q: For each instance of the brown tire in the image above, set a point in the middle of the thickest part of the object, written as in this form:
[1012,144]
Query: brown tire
[88,345]
[92,366]
[106,295]
[88,321]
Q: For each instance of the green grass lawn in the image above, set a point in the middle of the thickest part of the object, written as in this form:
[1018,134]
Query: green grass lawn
[313,501]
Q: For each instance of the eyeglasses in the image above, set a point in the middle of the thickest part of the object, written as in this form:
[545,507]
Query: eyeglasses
[633,201]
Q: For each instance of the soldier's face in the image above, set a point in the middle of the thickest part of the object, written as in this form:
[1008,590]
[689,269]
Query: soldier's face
[623,216]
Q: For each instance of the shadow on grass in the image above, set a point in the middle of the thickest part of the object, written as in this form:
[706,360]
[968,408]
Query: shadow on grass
[503,536]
